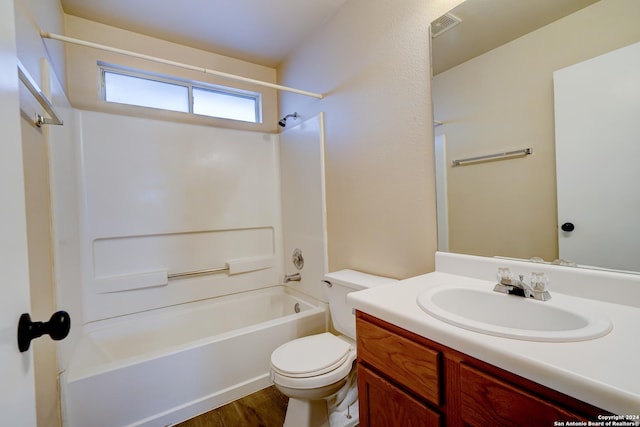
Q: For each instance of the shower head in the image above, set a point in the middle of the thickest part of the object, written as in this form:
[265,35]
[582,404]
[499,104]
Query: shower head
[283,121]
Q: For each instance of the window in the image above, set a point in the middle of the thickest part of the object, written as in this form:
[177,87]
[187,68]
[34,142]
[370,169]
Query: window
[143,90]
[132,90]
[226,105]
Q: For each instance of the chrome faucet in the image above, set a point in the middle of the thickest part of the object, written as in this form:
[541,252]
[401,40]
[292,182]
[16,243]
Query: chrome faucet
[536,290]
[295,277]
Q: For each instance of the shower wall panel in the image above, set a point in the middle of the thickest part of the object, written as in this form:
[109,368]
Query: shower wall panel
[161,198]
[303,203]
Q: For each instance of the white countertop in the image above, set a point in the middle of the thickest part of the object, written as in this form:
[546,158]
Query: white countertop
[604,372]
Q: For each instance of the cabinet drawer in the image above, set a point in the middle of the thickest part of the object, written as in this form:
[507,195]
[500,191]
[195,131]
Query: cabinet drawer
[410,364]
[385,405]
[488,401]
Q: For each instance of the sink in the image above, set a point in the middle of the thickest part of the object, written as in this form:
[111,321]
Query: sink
[482,310]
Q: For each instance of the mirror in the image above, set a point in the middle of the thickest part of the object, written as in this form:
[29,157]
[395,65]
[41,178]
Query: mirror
[493,92]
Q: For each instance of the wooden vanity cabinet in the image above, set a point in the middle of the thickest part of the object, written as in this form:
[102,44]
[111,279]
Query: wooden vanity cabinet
[407,380]
[384,404]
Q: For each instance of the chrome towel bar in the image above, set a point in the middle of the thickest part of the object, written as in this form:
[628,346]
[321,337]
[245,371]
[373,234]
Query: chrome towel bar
[33,87]
[524,152]
[234,266]
[197,272]
[154,279]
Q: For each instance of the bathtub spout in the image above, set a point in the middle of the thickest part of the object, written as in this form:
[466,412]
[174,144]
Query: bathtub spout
[295,277]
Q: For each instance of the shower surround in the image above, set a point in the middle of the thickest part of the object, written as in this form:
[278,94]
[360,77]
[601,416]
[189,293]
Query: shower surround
[159,201]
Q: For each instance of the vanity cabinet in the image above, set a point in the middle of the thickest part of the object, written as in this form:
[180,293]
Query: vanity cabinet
[407,380]
[388,405]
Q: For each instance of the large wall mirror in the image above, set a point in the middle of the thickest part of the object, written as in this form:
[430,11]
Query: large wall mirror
[494,63]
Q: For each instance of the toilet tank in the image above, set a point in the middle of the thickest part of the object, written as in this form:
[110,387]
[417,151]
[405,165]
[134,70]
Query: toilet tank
[339,284]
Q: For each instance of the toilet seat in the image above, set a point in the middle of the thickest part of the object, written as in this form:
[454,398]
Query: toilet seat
[312,361]
[310,356]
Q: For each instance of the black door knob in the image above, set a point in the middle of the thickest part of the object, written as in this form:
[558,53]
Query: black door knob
[57,328]
[568,227]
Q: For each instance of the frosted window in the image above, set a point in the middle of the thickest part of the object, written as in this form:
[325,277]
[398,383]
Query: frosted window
[133,90]
[225,105]
[136,88]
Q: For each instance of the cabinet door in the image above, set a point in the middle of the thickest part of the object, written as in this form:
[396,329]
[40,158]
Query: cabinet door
[412,365]
[489,401]
[382,404]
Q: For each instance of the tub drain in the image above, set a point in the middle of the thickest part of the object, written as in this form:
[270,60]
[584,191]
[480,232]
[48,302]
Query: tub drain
[296,307]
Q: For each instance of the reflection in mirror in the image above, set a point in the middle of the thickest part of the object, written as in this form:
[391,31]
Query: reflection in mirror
[495,94]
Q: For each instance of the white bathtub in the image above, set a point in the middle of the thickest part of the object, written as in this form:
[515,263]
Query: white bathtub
[164,366]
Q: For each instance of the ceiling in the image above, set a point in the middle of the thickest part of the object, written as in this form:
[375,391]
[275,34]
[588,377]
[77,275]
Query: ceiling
[258,31]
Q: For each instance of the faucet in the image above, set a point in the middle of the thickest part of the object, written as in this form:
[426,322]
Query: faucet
[295,277]
[510,286]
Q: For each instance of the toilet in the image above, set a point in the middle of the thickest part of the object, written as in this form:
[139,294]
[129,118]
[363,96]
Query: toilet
[318,371]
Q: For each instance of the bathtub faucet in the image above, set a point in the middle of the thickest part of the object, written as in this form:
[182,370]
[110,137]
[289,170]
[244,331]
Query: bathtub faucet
[295,277]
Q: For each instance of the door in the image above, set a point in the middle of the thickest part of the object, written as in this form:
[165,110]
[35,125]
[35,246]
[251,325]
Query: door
[17,397]
[597,106]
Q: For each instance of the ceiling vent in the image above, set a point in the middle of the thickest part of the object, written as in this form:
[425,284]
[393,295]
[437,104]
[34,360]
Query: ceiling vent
[444,23]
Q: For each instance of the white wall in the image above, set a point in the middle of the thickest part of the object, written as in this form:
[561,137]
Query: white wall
[85,85]
[171,197]
[17,404]
[372,61]
[65,220]
[303,203]
[46,65]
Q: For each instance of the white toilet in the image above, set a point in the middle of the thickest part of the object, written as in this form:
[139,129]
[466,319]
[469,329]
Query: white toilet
[313,369]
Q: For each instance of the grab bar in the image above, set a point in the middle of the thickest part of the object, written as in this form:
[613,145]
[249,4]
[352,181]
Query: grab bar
[197,272]
[154,279]
[30,84]
[234,266]
[524,151]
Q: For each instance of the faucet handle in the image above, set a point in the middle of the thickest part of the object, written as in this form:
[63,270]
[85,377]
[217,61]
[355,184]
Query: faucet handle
[539,281]
[504,275]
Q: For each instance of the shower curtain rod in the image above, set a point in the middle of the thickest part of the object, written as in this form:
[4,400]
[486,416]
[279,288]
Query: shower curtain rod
[72,40]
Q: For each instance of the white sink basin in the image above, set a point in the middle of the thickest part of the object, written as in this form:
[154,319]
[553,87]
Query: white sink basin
[493,313]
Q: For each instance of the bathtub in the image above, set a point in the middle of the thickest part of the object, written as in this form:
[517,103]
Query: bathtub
[164,366]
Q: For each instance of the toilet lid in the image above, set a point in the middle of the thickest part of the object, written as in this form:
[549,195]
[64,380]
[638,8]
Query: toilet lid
[310,356]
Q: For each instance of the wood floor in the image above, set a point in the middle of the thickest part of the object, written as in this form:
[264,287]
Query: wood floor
[265,408]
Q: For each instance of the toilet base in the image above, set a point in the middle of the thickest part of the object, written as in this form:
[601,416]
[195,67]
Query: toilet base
[306,413]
